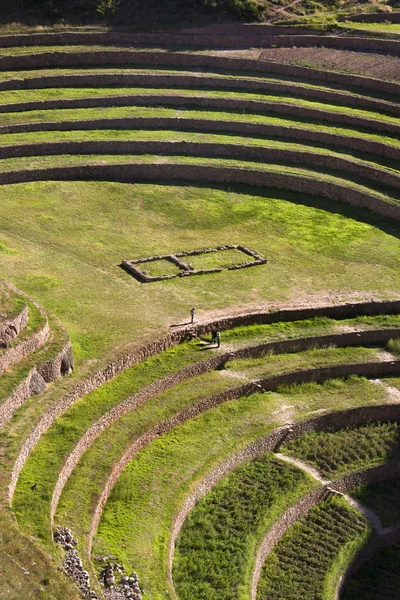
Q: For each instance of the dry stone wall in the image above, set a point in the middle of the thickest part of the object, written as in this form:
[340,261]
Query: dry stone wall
[133,402]
[11,328]
[142,172]
[384,472]
[318,374]
[210,125]
[181,59]
[176,81]
[202,40]
[15,354]
[36,382]
[100,377]
[208,150]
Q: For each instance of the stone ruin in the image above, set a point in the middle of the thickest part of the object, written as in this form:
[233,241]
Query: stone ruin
[186,269]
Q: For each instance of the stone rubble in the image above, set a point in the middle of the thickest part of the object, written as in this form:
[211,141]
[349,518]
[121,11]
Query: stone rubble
[72,563]
[127,588]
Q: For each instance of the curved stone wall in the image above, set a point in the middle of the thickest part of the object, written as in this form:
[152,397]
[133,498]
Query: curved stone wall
[341,311]
[318,374]
[208,150]
[11,328]
[182,59]
[214,126]
[385,472]
[203,40]
[36,382]
[142,172]
[177,81]
[297,345]
[15,354]
[263,107]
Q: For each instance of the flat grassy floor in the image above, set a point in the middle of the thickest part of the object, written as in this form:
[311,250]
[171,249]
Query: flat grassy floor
[215,551]
[337,453]
[64,242]
[308,561]
[383,499]
[139,514]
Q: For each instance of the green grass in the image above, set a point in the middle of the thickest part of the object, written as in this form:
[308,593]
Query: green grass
[313,553]
[110,135]
[215,551]
[272,101]
[390,28]
[259,368]
[394,347]
[383,499]
[138,516]
[221,259]
[383,193]
[367,117]
[52,449]
[337,453]
[75,235]
[377,578]
[156,268]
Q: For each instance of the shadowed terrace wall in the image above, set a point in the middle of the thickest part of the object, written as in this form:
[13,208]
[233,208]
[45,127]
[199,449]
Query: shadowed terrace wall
[212,126]
[142,172]
[182,59]
[202,41]
[341,311]
[343,166]
[133,402]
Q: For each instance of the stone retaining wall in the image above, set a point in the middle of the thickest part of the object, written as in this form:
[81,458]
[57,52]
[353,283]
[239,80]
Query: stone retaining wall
[202,41]
[133,402]
[256,107]
[36,382]
[208,150]
[15,354]
[11,328]
[182,59]
[214,126]
[385,472]
[161,172]
[318,374]
[381,17]
[175,81]
[341,311]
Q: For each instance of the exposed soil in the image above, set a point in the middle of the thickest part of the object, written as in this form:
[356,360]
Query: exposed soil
[346,61]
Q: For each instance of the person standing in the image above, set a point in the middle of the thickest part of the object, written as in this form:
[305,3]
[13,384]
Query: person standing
[192,311]
[218,335]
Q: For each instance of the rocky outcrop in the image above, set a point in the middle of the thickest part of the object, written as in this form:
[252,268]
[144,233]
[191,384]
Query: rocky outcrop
[11,328]
[36,382]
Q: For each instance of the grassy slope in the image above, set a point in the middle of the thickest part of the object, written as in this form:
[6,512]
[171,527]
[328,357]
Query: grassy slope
[102,223]
[336,453]
[325,540]
[215,550]
[153,487]
[378,578]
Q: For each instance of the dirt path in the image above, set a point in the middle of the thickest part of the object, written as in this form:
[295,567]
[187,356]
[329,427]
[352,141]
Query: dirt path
[368,514]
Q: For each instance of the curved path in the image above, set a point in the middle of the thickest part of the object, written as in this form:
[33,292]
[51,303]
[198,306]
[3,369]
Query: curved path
[131,403]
